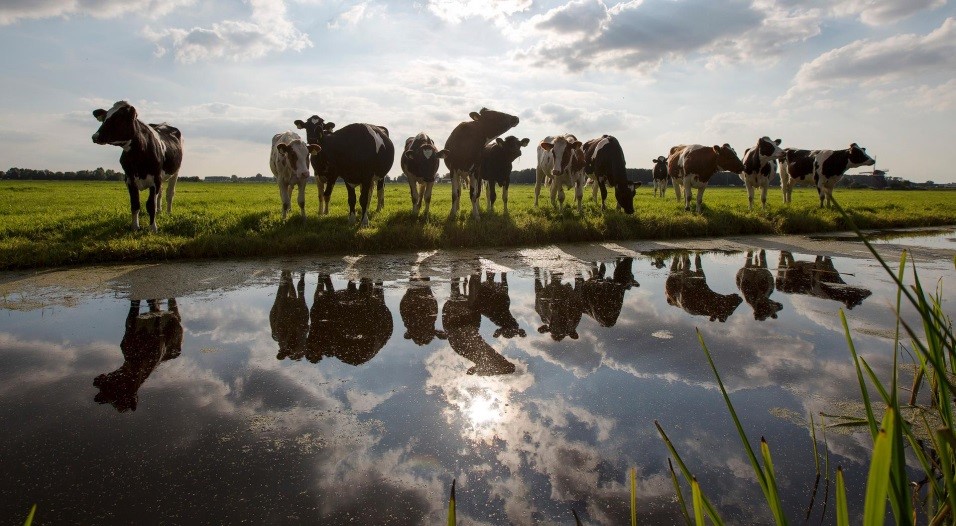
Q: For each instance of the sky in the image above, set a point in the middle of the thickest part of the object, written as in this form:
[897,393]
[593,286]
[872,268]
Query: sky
[654,73]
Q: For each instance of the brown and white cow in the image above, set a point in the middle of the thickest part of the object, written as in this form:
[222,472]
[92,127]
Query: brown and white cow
[696,164]
[687,288]
[461,321]
[465,145]
[796,168]
[673,170]
[560,165]
[756,284]
[420,166]
[660,175]
[760,165]
[830,165]
[152,154]
[289,162]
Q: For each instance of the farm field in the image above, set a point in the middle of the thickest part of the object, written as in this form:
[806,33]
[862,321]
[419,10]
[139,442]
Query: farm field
[51,223]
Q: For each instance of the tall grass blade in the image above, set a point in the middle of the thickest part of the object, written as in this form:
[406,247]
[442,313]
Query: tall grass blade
[946,440]
[842,512]
[708,507]
[679,493]
[633,497]
[871,420]
[774,502]
[816,463]
[878,479]
[29,520]
[451,505]
[698,502]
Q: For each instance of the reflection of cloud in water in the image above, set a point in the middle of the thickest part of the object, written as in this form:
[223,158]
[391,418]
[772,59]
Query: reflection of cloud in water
[228,322]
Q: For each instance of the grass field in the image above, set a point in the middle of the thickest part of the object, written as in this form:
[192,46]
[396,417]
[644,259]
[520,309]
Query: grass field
[49,223]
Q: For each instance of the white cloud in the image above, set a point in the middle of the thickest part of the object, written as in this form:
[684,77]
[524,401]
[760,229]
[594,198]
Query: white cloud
[268,30]
[455,11]
[15,10]
[871,12]
[350,17]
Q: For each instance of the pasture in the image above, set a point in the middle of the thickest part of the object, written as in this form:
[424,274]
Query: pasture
[52,223]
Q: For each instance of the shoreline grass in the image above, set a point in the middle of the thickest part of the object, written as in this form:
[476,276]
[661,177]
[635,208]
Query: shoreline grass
[52,223]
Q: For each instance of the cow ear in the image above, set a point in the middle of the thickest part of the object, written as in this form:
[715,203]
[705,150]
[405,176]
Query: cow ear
[442,154]
[100,114]
[299,124]
[474,115]
[777,142]
[328,126]
[409,155]
[314,149]
[499,142]
[546,146]
[717,148]
[525,141]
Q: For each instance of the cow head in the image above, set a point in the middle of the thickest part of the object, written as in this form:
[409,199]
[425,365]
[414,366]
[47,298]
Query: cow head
[315,128]
[624,193]
[295,154]
[769,149]
[511,146]
[117,124]
[859,157]
[564,150]
[660,167]
[727,159]
[422,149]
[493,123]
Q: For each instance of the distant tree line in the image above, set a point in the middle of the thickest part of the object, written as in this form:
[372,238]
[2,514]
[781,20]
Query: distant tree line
[99,174]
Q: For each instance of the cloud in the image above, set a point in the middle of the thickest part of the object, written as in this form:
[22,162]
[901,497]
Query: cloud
[12,11]
[350,17]
[267,31]
[455,11]
[897,58]
[870,12]
[586,122]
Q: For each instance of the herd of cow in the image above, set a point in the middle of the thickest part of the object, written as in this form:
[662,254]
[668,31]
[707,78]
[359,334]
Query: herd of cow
[362,154]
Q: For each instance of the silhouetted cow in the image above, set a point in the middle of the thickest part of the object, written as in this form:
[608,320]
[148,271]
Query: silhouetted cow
[602,297]
[419,311]
[495,167]
[351,324]
[817,278]
[461,321]
[492,301]
[289,317]
[420,165]
[150,339]
[660,175]
[687,288]
[756,284]
[559,305]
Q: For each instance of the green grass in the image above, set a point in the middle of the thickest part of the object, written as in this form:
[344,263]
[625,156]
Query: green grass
[50,223]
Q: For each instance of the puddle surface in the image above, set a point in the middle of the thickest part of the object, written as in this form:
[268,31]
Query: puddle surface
[356,392]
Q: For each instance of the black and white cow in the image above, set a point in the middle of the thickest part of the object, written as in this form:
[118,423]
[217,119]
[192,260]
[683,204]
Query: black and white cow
[351,324]
[756,284]
[760,165]
[461,321]
[830,165]
[289,317]
[497,159]
[315,127]
[687,288]
[559,304]
[817,278]
[289,162]
[465,146]
[660,175]
[151,155]
[491,300]
[361,154]
[420,165]
[419,311]
[796,168]
[605,164]
[561,165]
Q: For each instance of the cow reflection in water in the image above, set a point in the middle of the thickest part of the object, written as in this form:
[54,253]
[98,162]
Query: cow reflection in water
[493,302]
[289,317]
[817,278]
[351,324]
[602,297]
[419,310]
[756,283]
[150,338]
[687,288]
[559,304]
[461,319]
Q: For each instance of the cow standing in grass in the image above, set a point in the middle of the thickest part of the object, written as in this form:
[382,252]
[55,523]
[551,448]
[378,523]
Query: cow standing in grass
[315,128]
[796,168]
[696,164]
[830,165]
[604,163]
[465,146]
[660,175]
[497,159]
[560,165]
[152,154]
[420,165]
[289,162]
[760,165]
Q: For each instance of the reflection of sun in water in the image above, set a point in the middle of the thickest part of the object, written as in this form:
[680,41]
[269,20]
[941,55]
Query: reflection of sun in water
[484,409]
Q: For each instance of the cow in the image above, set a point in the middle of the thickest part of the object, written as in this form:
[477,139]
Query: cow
[495,166]
[361,154]
[660,175]
[696,164]
[491,300]
[419,163]
[150,338]
[559,305]
[289,317]
[603,297]
[830,165]
[315,128]
[687,288]
[289,162]
[673,170]
[604,163]
[796,167]
[817,278]
[351,324]
[461,321]
[760,165]
[561,165]
[465,146]
[152,154]
[419,311]
[756,284]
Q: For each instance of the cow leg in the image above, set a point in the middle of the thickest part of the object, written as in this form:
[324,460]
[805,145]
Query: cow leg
[677,191]
[171,192]
[492,196]
[504,196]
[134,204]
[427,196]
[380,190]
[302,185]
[284,195]
[364,200]
[750,194]
[474,189]
[687,191]
[413,190]
[538,180]
[594,190]
[603,188]
[579,195]
[820,194]
[700,198]
[455,192]
[554,194]
[151,203]
[763,194]
[351,191]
